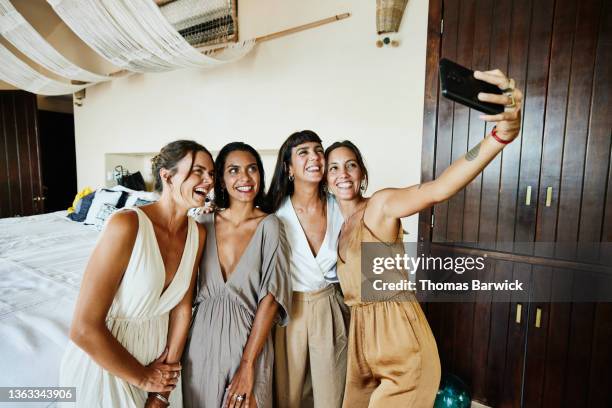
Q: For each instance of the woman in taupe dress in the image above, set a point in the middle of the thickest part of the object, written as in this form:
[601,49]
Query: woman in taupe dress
[244,288]
[392,355]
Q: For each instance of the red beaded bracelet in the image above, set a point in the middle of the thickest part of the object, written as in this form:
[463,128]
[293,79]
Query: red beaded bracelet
[499,139]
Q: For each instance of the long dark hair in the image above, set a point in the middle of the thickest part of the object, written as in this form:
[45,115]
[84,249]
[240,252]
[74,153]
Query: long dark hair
[221,197]
[349,145]
[170,155]
[281,186]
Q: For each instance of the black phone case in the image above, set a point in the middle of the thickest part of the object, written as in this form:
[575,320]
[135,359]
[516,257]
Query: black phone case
[458,84]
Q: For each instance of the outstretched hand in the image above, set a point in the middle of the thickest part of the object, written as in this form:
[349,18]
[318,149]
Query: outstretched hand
[508,123]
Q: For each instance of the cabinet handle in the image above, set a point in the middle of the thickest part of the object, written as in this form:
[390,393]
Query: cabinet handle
[549,191]
[528,197]
[519,309]
[538,321]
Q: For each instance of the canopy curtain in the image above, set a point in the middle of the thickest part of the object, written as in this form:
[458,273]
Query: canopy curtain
[134,35]
[17,73]
[28,41]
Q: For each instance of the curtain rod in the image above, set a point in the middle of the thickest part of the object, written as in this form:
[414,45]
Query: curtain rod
[266,37]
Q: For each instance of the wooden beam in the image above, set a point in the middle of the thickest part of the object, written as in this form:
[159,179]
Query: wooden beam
[263,38]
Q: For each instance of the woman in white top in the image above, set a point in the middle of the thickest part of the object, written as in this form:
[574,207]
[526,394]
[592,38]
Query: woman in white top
[310,363]
[134,308]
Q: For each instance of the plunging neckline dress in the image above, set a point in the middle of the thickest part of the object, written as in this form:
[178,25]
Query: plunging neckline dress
[138,318]
[225,312]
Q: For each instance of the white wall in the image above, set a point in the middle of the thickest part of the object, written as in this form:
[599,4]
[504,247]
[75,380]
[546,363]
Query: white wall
[331,79]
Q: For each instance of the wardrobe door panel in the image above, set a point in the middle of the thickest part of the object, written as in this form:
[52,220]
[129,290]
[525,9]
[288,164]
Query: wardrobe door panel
[554,122]
[533,119]
[444,133]
[20,185]
[577,122]
[490,197]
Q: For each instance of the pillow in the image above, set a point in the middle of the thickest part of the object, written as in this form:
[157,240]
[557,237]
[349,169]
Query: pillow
[77,199]
[135,195]
[82,208]
[102,197]
[103,214]
[141,195]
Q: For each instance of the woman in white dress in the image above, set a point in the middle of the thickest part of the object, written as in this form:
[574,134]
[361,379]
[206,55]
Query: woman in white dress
[134,308]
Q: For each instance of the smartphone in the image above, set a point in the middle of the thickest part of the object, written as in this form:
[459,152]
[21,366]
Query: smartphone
[458,84]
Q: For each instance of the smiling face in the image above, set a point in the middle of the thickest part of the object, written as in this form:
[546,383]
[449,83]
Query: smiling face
[307,162]
[344,175]
[190,183]
[241,176]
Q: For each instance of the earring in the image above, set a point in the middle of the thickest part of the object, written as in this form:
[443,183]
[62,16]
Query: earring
[362,186]
[291,177]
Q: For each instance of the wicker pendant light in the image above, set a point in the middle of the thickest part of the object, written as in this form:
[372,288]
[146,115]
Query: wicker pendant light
[389,15]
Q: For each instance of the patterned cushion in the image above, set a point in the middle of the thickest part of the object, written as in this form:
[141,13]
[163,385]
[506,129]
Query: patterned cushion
[103,214]
[139,202]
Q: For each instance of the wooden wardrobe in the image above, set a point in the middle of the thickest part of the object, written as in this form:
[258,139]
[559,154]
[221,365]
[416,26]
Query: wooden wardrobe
[552,185]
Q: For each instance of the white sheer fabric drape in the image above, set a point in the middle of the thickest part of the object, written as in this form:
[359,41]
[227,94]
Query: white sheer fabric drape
[17,73]
[134,35]
[26,39]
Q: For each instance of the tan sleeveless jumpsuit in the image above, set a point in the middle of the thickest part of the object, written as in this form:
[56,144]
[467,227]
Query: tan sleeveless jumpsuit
[392,355]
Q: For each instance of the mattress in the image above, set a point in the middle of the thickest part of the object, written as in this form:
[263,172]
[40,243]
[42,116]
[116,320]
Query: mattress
[42,259]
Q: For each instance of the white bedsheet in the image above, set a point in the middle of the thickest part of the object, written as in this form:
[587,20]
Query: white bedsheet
[42,259]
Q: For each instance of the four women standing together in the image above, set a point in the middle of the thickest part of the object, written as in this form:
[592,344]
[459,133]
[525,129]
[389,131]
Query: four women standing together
[253,263]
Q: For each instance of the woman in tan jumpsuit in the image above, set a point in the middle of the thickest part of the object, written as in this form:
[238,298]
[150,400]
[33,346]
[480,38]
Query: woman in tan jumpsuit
[392,356]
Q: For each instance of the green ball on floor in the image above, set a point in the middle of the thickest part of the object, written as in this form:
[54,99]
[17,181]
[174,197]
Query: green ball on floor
[453,393]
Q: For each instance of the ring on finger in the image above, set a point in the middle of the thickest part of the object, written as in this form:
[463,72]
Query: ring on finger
[512,103]
[509,86]
[240,397]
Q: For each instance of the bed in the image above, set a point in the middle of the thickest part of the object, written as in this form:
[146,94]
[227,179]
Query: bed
[42,259]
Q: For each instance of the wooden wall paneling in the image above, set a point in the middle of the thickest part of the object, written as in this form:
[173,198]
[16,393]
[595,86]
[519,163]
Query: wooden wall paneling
[515,350]
[500,40]
[557,341]
[481,44]
[480,330]
[554,122]
[12,146]
[606,230]
[463,311]
[480,339]
[444,135]
[598,162]
[517,66]
[578,113]
[501,315]
[601,358]
[430,115]
[533,120]
[535,358]
[443,325]
[430,118]
[579,349]
[461,116]
[530,159]
[572,176]
[599,142]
